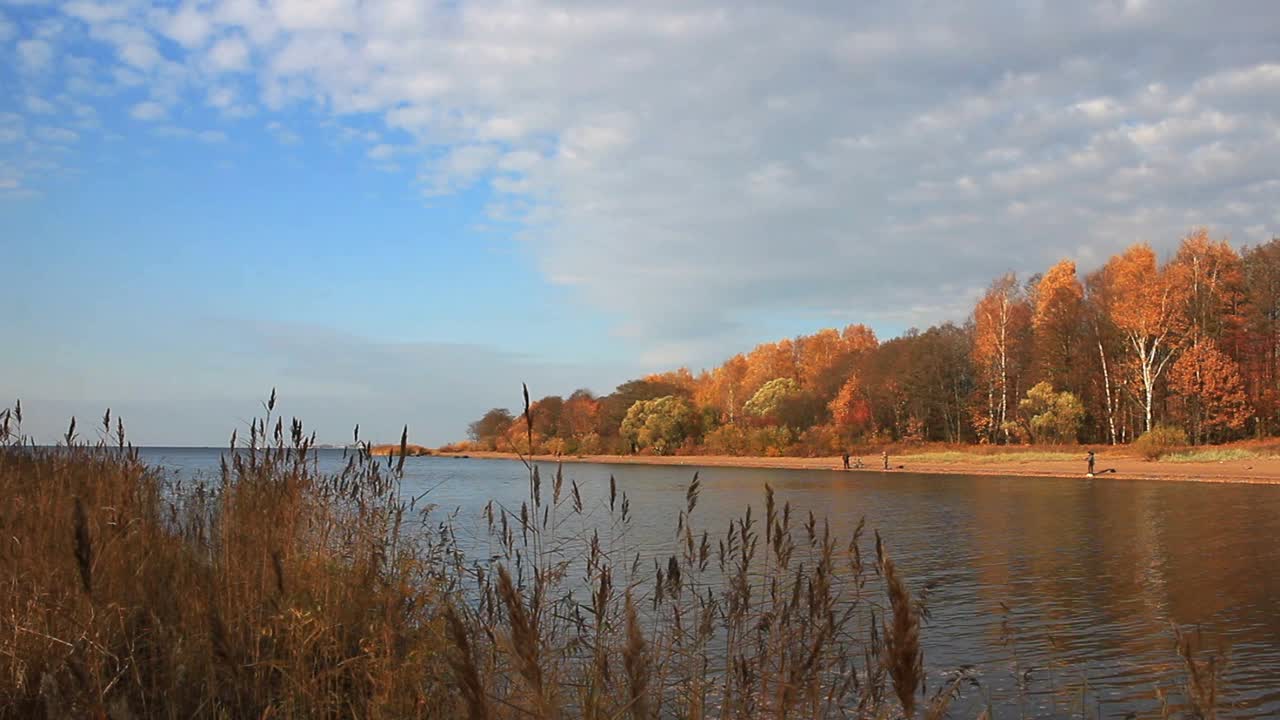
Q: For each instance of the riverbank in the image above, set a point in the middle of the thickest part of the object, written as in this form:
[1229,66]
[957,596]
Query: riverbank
[1260,470]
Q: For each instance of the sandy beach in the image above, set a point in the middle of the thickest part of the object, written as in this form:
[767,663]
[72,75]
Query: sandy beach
[1263,470]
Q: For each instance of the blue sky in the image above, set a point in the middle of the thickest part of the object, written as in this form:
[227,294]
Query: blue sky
[395,211]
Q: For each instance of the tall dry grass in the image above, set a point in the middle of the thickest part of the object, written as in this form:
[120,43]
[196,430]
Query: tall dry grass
[275,590]
[272,591]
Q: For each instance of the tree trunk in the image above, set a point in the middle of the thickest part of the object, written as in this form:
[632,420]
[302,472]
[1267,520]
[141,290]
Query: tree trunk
[1106,386]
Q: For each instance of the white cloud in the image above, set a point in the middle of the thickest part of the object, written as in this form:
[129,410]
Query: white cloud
[282,134]
[227,101]
[723,160]
[35,55]
[189,26]
[93,12]
[382,151]
[11,127]
[57,135]
[39,105]
[230,54]
[149,110]
[140,55]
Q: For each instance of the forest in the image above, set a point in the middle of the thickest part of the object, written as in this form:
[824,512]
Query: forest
[1186,348]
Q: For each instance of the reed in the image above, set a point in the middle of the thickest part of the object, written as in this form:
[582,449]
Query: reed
[274,590]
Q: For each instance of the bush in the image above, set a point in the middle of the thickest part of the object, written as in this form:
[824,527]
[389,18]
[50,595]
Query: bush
[821,441]
[1160,440]
[726,440]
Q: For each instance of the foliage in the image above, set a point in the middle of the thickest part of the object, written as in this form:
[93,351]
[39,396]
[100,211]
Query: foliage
[1001,349]
[1050,416]
[1193,341]
[850,410]
[614,407]
[1056,326]
[1160,440]
[770,397]
[1146,303]
[489,428]
[660,425]
[1211,394]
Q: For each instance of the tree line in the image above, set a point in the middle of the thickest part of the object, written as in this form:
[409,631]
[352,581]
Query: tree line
[1190,345]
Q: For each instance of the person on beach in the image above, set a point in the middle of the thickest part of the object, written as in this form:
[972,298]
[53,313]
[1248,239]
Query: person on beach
[1091,463]
[885,456]
[845,457]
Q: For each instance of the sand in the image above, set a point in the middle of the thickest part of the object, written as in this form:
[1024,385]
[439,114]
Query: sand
[1127,467]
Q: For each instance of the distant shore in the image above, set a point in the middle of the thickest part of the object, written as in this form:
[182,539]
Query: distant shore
[1262,470]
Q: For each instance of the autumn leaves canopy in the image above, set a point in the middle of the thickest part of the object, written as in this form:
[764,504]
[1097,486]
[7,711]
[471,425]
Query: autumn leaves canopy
[1193,342]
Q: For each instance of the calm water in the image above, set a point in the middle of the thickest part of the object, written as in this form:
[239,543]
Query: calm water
[1100,566]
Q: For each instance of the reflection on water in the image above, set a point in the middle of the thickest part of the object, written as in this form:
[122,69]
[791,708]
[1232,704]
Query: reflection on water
[1093,572]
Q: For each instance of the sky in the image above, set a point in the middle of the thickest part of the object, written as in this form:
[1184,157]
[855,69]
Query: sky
[397,211]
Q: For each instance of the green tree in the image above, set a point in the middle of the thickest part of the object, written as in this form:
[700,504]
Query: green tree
[771,396]
[1051,416]
[661,424]
[612,408]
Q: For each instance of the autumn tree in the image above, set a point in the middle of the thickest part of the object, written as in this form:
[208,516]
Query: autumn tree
[661,424]
[1106,347]
[1211,274]
[919,384]
[850,410]
[721,389]
[1262,363]
[546,414]
[1051,416]
[1000,320]
[1146,307]
[768,362]
[1210,392]
[1056,324]
[770,397]
[614,406]
[578,416]
[491,426]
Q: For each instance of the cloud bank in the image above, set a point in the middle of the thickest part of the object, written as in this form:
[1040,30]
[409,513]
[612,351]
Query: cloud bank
[691,166]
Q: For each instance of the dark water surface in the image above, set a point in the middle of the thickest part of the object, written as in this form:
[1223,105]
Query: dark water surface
[1093,571]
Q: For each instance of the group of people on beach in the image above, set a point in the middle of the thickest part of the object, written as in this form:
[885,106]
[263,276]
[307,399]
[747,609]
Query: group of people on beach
[884,456]
[857,462]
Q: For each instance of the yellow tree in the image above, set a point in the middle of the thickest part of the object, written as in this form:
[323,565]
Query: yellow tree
[816,354]
[768,362]
[1056,324]
[1000,321]
[859,338]
[1146,306]
[722,388]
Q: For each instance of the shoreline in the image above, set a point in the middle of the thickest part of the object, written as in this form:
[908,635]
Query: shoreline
[1255,471]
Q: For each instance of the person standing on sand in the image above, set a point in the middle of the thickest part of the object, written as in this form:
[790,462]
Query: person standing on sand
[885,456]
[845,457]
[1090,463]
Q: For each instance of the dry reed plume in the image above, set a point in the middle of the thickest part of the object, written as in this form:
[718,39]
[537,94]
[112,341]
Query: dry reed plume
[276,590]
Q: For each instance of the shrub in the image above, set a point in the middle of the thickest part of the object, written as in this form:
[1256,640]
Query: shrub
[1159,440]
[726,440]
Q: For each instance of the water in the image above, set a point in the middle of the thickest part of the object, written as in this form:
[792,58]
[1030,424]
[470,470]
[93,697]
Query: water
[1092,571]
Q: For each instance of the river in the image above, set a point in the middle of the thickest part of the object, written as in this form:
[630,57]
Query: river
[1092,572]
